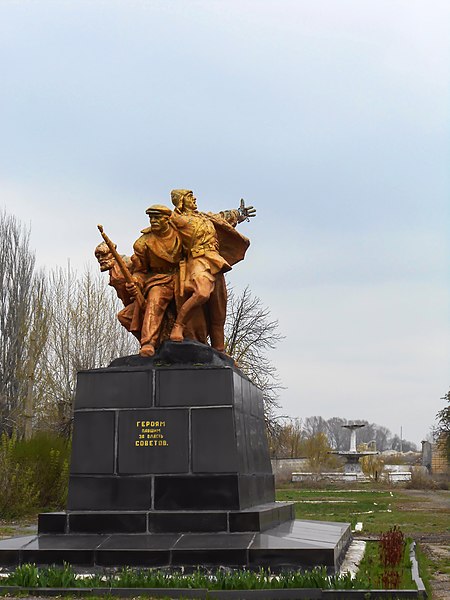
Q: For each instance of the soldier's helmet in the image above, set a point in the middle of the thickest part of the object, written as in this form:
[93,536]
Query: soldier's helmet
[177,197]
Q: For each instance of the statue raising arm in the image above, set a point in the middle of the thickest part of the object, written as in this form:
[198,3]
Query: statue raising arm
[238,215]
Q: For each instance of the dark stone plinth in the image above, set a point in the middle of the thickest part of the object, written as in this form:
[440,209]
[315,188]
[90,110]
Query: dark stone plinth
[293,545]
[170,466]
[194,387]
[93,444]
[309,543]
[268,516]
[170,450]
[109,493]
[106,390]
[183,430]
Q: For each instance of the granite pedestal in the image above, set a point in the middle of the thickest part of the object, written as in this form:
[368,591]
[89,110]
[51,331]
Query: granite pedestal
[170,466]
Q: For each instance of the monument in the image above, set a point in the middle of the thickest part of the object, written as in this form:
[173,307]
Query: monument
[170,462]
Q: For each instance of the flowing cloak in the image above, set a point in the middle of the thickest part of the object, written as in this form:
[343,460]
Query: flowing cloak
[228,245]
[232,244]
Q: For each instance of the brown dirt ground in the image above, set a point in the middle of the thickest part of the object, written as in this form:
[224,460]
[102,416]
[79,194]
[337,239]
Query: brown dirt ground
[440,582]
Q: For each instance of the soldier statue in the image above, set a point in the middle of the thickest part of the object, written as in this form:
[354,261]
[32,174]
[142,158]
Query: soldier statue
[173,286]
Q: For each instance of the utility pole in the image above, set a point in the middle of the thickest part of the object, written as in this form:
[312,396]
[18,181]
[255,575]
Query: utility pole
[401,438]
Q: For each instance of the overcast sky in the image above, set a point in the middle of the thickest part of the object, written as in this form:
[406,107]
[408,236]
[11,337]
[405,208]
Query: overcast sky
[330,116]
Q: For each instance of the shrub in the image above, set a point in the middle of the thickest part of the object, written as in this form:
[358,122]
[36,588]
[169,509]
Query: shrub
[420,480]
[372,465]
[47,457]
[391,550]
[317,450]
[33,474]
[19,494]
[441,480]
[392,545]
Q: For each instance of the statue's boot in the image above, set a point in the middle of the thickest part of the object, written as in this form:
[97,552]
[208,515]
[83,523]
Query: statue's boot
[177,333]
[147,349]
[217,337]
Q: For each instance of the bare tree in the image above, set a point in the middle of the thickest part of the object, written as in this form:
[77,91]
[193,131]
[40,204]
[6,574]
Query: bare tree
[38,329]
[314,425]
[84,334]
[402,445]
[366,434]
[381,437]
[287,440]
[249,335]
[16,285]
[338,436]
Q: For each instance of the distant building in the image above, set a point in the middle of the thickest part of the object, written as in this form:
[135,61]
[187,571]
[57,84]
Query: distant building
[439,462]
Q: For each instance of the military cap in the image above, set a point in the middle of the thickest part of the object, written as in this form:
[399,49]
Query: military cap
[158,209]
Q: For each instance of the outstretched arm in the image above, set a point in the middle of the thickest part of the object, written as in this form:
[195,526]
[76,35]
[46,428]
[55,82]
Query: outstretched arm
[238,215]
[246,212]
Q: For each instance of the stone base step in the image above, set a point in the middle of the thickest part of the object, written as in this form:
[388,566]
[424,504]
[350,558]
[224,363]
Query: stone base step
[292,545]
[256,518]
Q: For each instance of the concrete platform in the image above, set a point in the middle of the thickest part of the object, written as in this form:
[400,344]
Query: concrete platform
[291,545]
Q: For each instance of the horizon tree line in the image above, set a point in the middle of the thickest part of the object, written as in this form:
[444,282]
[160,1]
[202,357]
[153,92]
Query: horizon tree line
[294,437]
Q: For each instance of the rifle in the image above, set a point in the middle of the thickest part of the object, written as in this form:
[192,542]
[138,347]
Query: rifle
[122,266]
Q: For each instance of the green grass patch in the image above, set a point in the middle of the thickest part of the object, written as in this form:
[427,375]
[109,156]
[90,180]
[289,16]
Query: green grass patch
[8,531]
[379,510]
[349,506]
[18,527]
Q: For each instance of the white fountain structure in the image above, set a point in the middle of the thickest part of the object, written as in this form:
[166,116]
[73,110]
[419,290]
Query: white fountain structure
[353,466]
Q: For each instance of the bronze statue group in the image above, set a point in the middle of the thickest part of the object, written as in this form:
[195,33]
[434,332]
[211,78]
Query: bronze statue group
[173,285]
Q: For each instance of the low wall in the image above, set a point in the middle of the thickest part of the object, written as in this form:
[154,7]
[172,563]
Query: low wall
[398,473]
[283,468]
[390,473]
[332,476]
